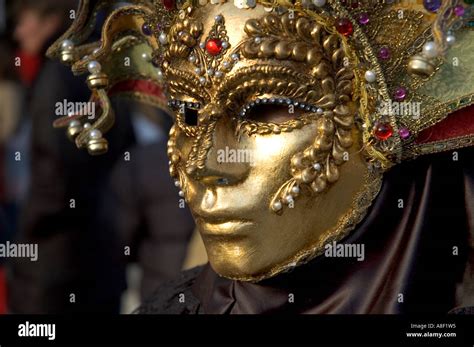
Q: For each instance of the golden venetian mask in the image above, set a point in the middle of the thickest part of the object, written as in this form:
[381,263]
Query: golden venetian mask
[287,114]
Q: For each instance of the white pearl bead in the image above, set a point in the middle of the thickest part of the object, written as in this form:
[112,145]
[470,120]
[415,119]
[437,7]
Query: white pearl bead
[87,125]
[202,80]
[210,72]
[159,73]
[430,50]
[370,76]
[74,123]
[192,59]
[288,199]
[181,193]
[218,18]
[67,45]
[277,205]
[94,67]
[225,44]
[163,38]
[197,71]
[450,39]
[176,183]
[317,167]
[145,56]
[319,3]
[95,134]
[218,74]
[235,56]
[295,190]
[319,111]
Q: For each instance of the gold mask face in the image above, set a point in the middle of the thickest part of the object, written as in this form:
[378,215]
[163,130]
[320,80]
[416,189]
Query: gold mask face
[265,147]
[284,125]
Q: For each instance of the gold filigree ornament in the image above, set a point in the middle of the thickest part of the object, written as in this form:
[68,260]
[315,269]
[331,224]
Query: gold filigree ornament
[123,62]
[370,84]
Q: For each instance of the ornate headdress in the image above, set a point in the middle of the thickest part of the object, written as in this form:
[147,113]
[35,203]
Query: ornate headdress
[409,77]
[386,79]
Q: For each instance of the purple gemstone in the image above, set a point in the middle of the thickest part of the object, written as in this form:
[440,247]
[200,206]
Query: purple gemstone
[459,10]
[384,53]
[364,18]
[400,94]
[404,133]
[432,5]
[146,29]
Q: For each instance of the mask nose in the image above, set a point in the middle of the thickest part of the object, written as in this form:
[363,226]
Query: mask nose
[217,158]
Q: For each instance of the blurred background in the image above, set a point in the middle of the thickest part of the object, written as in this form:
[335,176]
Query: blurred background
[109,229]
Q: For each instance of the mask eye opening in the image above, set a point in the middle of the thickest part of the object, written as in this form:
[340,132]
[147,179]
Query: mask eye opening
[187,110]
[249,109]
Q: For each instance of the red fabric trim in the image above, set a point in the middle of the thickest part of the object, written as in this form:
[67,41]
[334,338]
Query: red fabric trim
[141,86]
[460,123]
[29,68]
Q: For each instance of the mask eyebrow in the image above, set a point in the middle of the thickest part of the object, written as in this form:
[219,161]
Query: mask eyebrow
[184,82]
[269,79]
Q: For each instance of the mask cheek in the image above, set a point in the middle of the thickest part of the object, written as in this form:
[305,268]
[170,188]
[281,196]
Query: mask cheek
[272,157]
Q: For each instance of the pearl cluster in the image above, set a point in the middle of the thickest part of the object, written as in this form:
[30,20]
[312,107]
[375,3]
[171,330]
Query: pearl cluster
[431,49]
[94,134]
[178,185]
[210,72]
[289,199]
[226,65]
[177,103]
[292,193]
[280,101]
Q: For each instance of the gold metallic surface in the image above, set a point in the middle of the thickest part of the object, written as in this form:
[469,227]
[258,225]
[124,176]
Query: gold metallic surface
[231,202]
[98,81]
[73,131]
[97,146]
[421,66]
[311,174]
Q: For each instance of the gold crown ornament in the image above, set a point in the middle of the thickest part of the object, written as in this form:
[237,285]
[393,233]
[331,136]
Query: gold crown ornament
[326,94]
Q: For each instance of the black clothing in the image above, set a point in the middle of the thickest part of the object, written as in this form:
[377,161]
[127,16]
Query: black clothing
[75,256]
[418,258]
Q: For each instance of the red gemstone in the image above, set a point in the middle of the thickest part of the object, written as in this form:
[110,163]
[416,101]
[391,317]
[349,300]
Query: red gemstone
[169,4]
[214,46]
[344,26]
[383,131]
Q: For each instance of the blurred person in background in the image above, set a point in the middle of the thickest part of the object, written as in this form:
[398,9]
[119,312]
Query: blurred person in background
[81,265]
[74,271]
[10,113]
[142,207]
[11,100]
